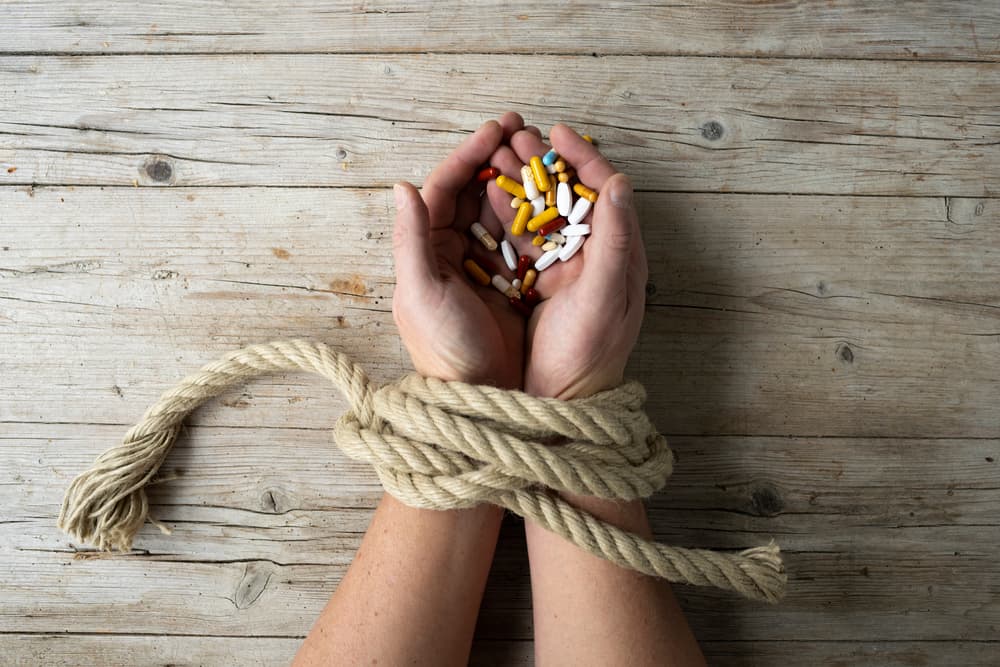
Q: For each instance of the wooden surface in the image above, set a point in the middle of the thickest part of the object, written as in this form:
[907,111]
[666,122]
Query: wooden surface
[822,341]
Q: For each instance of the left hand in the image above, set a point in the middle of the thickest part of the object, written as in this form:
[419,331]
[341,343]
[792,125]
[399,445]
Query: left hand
[455,329]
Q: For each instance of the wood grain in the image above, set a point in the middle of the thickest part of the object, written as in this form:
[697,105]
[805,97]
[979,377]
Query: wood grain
[690,124]
[933,29]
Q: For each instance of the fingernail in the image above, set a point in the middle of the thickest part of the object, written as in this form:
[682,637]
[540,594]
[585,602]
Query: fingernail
[621,193]
[399,193]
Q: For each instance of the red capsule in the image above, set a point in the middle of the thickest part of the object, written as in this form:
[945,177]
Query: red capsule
[553,226]
[520,306]
[531,296]
[488,174]
[523,264]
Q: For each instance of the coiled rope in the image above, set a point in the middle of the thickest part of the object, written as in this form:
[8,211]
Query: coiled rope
[443,445]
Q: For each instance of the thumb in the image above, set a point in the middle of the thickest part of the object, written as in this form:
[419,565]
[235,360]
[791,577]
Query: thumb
[609,250]
[416,266]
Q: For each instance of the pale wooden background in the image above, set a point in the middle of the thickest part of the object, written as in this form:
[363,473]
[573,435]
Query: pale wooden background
[822,341]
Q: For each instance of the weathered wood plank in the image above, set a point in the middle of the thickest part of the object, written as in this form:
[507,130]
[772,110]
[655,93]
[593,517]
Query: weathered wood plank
[783,315]
[692,124]
[876,29]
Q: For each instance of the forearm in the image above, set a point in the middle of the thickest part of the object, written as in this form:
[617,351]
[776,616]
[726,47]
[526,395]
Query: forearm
[412,593]
[590,611]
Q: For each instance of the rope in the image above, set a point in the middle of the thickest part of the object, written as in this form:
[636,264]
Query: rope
[444,445]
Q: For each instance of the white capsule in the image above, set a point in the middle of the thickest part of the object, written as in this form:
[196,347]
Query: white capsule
[483,235]
[549,245]
[575,230]
[539,204]
[579,212]
[516,283]
[509,255]
[546,260]
[572,245]
[528,180]
[564,199]
[501,284]
[557,237]
[551,168]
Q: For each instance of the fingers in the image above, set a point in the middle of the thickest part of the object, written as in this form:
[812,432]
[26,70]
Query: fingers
[450,177]
[610,251]
[510,122]
[527,144]
[411,241]
[591,167]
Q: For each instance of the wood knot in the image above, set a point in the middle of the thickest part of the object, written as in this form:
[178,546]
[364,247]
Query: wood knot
[252,584]
[650,290]
[765,501]
[845,353]
[712,130]
[159,170]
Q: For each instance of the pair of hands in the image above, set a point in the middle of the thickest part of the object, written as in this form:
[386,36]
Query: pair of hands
[578,339]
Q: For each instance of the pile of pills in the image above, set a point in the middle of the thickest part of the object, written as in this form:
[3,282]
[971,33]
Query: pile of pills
[545,205]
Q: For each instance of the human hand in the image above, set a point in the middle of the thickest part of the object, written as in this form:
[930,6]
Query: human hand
[453,329]
[581,334]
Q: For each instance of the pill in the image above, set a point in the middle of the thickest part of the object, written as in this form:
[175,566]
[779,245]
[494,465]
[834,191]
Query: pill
[550,197]
[550,157]
[529,280]
[509,255]
[585,192]
[516,284]
[541,175]
[546,260]
[531,296]
[515,202]
[524,212]
[560,166]
[551,168]
[549,245]
[510,185]
[476,272]
[503,286]
[557,237]
[589,139]
[530,188]
[519,306]
[547,215]
[576,230]
[539,205]
[563,177]
[572,245]
[538,240]
[523,264]
[483,235]
[552,226]
[487,174]
[569,174]
[564,199]
[579,212]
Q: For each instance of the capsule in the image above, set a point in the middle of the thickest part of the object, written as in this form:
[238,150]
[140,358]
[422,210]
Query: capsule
[538,205]
[515,202]
[538,241]
[549,245]
[567,176]
[516,284]
[530,188]
[560,166]
[550,197]
[589,139]
[509,255]
[552,226]
[476,272]
[551,169]
[547,215]
[546,260]
[510,185]
[523,264]
[564,199]
[503,286]
[483,235]
[576,230]
[541,175]
[557,237]
[529,280]
[521,218]
[585,192]
[550,157]
[531,296]
[571,247]
[487,174]
[579,212]
[519,306]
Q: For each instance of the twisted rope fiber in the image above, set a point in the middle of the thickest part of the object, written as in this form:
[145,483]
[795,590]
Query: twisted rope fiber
[443,445]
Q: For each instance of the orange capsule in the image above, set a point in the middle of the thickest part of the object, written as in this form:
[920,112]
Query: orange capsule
[538,241]
[523,264]
[547,215]
[510,185]
[541,174]
[529,280]
[476,272]
[550,197]
[589,139]
[487,174]
[585,192]
[521,218]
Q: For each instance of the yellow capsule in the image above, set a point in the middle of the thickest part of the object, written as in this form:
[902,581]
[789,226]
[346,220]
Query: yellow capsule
[550,197]
[549,246]
[548,215]
[538,241]
[529,280]
[510,185]
[589,139]
[476,272]
[563,177]
[585,192]
[521,218]
[560,165]
[541,175]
